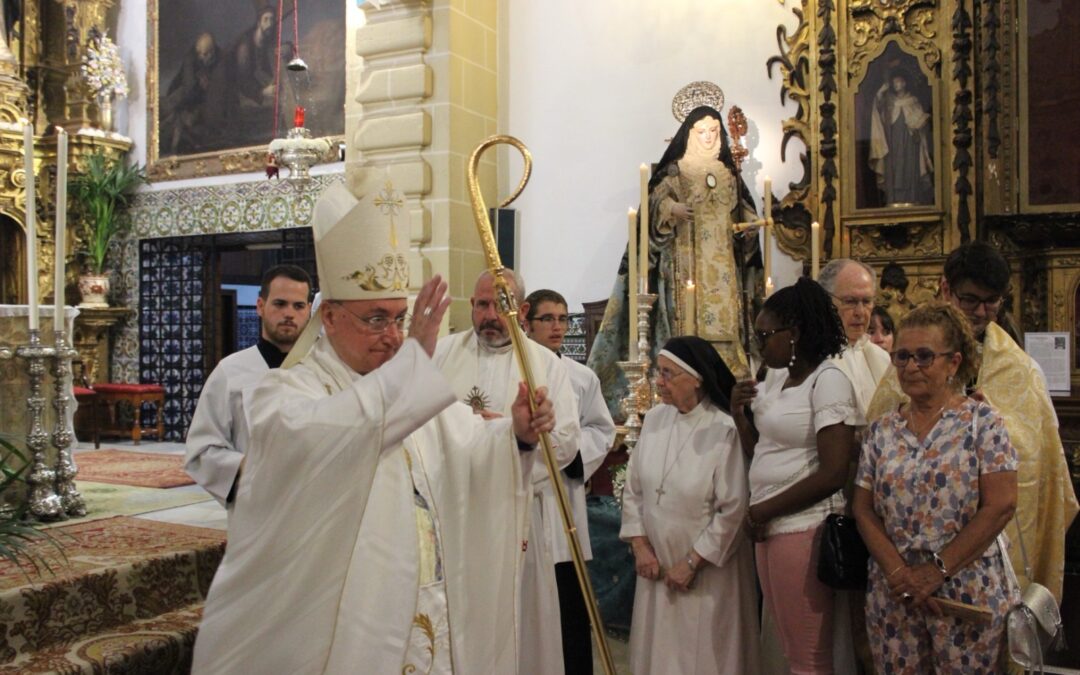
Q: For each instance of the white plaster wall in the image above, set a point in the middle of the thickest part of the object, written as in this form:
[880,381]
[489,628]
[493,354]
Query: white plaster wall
[587,85]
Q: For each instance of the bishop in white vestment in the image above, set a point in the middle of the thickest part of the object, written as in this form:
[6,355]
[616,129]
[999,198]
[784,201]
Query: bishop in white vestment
[377,526]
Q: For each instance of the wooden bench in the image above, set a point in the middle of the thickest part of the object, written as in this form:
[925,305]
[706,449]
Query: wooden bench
[135,395]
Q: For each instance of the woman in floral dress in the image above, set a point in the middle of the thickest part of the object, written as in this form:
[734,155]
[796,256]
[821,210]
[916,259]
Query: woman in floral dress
[936,485]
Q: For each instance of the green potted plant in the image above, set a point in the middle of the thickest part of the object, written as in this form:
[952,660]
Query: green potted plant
[18,534]
[102,192]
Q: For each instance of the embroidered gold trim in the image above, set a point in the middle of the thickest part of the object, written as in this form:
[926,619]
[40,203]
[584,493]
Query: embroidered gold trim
[391,273]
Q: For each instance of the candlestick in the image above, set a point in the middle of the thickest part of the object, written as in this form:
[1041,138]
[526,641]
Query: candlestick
[815,255]
[61,230]
[644,173]
[768,286]
[767,230]
[632,283]
[31,225]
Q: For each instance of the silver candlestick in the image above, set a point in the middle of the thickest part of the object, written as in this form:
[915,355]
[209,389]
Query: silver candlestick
[640,397]
[62,438]
[44,502]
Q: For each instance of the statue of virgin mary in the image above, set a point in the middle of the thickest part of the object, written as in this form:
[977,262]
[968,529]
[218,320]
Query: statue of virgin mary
[697,264]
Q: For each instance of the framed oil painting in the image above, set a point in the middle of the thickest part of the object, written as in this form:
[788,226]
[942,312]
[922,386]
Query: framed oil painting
[218,82]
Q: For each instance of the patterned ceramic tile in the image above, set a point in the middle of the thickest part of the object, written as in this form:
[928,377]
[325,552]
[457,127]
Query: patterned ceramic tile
[214,209]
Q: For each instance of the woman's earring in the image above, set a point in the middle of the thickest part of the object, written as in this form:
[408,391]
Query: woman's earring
[791,361]
[949,379]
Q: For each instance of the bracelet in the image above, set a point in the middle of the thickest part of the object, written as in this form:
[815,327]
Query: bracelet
[690,562]
[889,575]
[940,564]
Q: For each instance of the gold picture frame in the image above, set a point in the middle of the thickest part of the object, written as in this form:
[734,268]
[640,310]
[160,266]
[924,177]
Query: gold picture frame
[210,100]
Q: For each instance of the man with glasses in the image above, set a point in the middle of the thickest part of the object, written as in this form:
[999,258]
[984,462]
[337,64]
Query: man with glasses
[546,322]
[852,285]
[976,279]
[377,525]
[218,435]
[483,372]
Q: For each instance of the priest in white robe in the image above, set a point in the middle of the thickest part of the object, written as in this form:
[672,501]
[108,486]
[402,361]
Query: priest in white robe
[483,372]
[546,320]
[218,435]
[684,505]
[377,524]
[852,286]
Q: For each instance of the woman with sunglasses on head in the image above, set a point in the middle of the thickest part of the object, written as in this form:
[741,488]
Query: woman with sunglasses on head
[801,439]
[935,486]
[683,507]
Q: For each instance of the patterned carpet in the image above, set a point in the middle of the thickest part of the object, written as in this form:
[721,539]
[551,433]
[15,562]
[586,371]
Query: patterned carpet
[145,469]
[125,597]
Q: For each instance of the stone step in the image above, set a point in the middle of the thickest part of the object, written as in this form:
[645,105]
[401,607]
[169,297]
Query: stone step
[119,579]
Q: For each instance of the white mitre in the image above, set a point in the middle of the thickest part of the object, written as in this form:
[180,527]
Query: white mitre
[360,251]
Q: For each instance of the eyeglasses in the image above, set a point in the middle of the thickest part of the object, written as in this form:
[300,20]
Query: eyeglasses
[969,303]
[762,336]
[669,375]
[850,303]
[549,319]
[923,356]
[380,322]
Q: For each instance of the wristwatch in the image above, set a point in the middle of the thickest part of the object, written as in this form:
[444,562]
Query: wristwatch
[690,562]
[940,564]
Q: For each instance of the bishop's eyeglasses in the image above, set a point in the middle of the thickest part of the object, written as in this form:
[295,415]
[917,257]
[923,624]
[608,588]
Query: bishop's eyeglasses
[378,323]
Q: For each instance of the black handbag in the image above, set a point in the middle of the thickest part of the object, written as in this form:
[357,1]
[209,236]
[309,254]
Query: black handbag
[842,555]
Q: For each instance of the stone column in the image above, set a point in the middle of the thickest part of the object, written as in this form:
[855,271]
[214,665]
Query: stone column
[422,94]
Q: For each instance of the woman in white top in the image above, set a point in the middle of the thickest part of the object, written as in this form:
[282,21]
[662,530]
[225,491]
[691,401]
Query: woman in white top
[800,438]
[683,509]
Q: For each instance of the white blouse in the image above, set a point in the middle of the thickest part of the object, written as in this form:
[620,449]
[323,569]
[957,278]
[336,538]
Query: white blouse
[787,421]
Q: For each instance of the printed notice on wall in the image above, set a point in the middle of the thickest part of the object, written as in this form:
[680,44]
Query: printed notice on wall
[1051,352]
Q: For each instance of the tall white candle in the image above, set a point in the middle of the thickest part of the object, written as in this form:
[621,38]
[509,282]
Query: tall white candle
[690,325]
[766,243]
[644,271]
[31,226]
[61,227]
[815,248]
[632,283]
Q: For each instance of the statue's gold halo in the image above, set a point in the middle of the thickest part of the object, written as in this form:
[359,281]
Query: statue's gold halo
[694,95]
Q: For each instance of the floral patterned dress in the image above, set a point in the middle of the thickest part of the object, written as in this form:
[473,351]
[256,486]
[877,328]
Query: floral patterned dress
[925,492]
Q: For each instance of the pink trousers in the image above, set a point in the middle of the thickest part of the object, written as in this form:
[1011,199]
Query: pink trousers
[800,604]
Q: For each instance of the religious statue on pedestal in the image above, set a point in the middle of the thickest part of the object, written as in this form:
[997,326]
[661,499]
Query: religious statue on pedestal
[697,263]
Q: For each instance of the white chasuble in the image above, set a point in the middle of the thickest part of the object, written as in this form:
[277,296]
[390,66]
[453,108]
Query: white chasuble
[487,378]
[687,489]
[322,573]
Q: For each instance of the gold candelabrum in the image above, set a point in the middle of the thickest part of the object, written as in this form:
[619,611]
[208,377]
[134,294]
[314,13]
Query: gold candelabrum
[508,308]
[641,394]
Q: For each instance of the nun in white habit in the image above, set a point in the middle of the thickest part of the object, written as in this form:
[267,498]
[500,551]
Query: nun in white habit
[684,505]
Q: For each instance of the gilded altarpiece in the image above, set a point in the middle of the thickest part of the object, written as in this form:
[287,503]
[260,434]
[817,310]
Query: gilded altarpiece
[885,96]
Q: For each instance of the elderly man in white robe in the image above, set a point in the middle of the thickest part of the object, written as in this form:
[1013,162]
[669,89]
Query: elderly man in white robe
[218,435]
[483,372]
[378,521]
[546,321]
[852,285]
